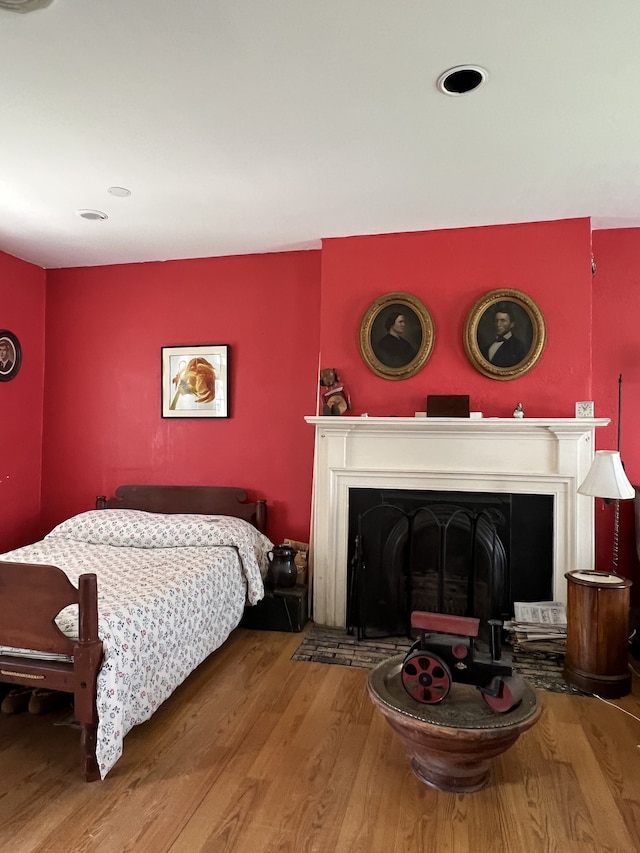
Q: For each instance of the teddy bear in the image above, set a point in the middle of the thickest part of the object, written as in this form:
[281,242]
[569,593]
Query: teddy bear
[335,397]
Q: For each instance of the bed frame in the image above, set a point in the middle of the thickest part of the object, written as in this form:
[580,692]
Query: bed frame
[28,621]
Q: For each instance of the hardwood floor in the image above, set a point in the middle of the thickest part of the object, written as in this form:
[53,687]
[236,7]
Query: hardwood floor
[256,752]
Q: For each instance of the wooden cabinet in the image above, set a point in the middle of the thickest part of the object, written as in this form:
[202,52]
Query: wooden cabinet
[597,658]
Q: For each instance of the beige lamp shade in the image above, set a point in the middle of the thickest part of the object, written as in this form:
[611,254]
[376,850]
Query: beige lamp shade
[606,478]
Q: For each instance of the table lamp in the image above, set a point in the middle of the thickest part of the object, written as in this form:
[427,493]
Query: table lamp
[606,479]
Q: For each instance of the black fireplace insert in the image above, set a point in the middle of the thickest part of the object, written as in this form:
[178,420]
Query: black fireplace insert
[462,553]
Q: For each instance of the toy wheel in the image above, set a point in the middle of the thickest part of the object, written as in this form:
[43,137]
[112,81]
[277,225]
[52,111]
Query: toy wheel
[510,692]
[426,677]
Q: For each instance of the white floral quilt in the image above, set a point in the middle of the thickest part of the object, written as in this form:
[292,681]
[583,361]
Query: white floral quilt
[171,588]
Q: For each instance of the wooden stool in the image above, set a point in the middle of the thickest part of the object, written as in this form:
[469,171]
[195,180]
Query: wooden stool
[597,658]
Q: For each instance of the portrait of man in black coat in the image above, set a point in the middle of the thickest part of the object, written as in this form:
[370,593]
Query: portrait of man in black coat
[506,349]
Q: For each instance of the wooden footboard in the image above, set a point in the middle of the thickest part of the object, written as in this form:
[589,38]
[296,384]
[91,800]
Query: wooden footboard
[31,596]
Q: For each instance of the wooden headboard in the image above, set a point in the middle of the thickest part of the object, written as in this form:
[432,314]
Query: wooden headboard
[203,500]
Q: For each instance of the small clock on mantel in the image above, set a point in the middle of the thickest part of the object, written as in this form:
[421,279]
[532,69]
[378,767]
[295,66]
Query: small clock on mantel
[585,409]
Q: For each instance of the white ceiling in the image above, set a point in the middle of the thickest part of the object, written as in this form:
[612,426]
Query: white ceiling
[245,126]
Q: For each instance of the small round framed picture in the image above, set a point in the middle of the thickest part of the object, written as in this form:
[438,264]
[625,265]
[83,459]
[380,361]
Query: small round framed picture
[10,355]
[505,334]
[396,336]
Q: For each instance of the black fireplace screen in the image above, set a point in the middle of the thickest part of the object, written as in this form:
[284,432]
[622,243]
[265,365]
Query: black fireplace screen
[442,552]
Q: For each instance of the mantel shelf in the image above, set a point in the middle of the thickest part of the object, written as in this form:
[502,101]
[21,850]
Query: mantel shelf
[481,425]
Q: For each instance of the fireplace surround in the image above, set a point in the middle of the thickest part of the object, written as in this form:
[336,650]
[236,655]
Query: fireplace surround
[546,456]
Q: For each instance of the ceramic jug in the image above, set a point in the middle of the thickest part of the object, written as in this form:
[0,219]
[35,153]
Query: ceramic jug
[282,569]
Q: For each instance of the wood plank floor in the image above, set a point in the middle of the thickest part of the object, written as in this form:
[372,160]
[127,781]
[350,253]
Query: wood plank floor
[256,752]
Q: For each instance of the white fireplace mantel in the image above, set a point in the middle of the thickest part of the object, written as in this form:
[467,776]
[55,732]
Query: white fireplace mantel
[548,456]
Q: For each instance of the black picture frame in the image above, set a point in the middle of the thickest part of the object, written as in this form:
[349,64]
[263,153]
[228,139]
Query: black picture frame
[399,355]
[523,346]
[195,381]
[9,345]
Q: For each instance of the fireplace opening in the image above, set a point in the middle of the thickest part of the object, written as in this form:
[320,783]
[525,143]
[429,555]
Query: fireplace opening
[468,554]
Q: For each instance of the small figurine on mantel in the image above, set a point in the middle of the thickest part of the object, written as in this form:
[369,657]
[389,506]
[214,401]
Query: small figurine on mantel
[334,396]
[518,412]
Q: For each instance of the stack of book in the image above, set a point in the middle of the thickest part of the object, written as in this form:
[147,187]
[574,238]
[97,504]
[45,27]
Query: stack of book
[538,625]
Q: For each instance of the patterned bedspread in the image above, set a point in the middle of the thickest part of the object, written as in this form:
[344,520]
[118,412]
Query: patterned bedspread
[171,588]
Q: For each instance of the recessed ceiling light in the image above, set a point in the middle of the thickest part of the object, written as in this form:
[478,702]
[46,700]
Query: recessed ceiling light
[121,192]
[461,79]
[91,214]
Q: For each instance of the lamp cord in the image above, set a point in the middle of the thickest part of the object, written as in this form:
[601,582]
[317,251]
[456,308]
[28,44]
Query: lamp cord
[624,710]
[613,705]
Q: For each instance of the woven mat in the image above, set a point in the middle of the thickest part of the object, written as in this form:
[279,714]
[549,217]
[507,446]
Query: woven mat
[334,646]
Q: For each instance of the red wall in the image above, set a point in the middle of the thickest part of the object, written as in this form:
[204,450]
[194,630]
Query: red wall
[449,271]
[591,322]
[105,329]
[616,300]
[22,309]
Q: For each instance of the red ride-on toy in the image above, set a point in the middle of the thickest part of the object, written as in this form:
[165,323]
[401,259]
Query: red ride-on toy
[445,653]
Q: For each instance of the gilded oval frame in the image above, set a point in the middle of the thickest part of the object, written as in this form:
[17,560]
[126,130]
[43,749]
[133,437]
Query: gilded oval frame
[529,334]
[418,339]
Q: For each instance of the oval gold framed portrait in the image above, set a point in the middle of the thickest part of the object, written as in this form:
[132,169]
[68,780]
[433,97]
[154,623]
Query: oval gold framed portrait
[505,334]
[396,336]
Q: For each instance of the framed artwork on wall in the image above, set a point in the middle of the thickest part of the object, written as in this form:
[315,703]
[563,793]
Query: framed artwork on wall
[10,355]
[396,336]
[195,381]
[504,334]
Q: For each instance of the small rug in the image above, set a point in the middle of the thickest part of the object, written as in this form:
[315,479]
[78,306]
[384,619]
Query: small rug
[334,646]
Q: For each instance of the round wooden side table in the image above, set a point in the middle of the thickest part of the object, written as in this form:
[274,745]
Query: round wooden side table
[450,743]
[597,657]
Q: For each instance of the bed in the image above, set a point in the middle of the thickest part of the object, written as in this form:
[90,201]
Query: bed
[131,598]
